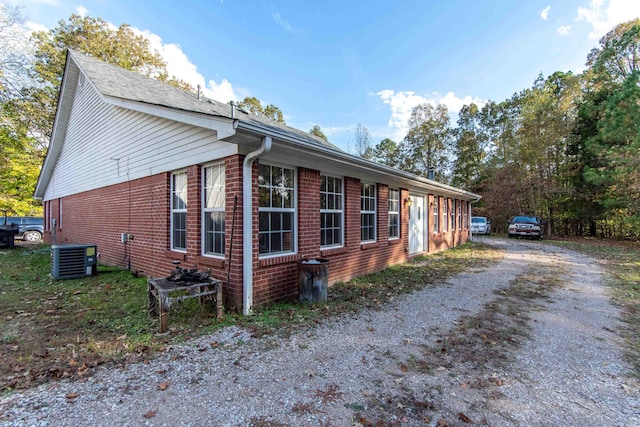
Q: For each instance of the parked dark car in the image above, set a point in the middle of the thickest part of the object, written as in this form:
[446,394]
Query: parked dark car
[530,227]
[30,228]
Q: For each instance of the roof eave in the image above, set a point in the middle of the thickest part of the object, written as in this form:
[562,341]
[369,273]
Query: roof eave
[60,122]
[352,160]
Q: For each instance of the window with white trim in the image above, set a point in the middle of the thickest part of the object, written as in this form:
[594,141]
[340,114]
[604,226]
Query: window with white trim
[436,214]
[213,208]
[452,204]
[331,213]
[459,205]
[179,211]
[445,214]
[368,213]
[465,207]
[276,210]
[394,213]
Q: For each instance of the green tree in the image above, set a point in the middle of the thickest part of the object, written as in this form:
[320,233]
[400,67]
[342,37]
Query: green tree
[18,173]
[387,152]
[619,52]
[469,148]
[315,130]
[92,36]
[428,143]
[619,151]
[253,106]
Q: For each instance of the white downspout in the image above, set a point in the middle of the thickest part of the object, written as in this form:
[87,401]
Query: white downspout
[469,219]
[247,224]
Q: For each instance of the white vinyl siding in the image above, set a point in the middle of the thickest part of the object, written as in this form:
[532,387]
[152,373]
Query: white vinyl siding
[368,213]
[213,209]
[152,145]
[179,211]
[394,213]
[276,210]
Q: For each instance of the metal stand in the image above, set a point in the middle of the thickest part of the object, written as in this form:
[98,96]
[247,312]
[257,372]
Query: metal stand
[160,301]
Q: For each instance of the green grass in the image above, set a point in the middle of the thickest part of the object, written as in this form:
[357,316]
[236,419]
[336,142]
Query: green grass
[61,328]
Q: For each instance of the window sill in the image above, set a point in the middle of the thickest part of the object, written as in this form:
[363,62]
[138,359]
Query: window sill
[283,259]
[175,255]
[395,241]
[210,261]
[333,251]
[369,245]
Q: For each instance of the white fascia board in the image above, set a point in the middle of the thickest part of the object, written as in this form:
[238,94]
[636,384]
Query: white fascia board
[60,123]
[221,125]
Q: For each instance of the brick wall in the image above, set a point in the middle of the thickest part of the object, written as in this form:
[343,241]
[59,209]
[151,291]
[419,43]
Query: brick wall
[142,208]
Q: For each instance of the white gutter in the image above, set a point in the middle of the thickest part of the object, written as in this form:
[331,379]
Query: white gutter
[247,224]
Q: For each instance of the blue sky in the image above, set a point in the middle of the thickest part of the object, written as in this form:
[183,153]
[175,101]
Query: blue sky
[340,63]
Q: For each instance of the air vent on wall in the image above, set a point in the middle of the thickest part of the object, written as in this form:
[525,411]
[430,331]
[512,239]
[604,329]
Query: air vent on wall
[73,261]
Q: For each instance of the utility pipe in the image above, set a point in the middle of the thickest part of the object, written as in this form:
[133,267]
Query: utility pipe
[247,224]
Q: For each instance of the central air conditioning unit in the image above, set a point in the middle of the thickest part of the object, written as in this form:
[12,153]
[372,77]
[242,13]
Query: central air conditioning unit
[73,261]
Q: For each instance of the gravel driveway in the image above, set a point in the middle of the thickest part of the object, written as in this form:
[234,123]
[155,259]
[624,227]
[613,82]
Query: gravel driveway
[531,341]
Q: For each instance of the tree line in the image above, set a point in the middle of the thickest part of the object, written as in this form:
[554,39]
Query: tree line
[566,149]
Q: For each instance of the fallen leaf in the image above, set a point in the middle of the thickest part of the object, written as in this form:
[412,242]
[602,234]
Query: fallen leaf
[161,371]
[150,414]
[408,340]
[462,417]
[214,344]
[164,385]
[71,396]
[443,423]
[496,381]
[201,349]
[463,386]
[370,329]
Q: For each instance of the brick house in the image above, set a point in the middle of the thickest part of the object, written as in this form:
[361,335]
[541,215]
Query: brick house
[187,178]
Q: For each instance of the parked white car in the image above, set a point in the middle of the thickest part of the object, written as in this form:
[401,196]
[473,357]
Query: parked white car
[480,225]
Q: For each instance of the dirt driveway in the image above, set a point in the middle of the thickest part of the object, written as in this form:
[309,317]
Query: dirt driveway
[531,341]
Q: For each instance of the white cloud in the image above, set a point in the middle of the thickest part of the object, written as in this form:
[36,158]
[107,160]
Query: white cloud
[564,30]
[179,65]
[402,102]
[82,11]
[544,13]
[281,22]
[32,27]
[604,17]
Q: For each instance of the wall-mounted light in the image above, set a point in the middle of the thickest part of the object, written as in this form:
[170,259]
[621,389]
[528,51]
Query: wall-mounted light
[408,201]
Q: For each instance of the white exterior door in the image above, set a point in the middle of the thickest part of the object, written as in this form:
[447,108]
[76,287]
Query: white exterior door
[417,225]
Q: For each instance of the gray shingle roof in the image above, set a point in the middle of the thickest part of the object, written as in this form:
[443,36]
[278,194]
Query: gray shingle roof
[111,80]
